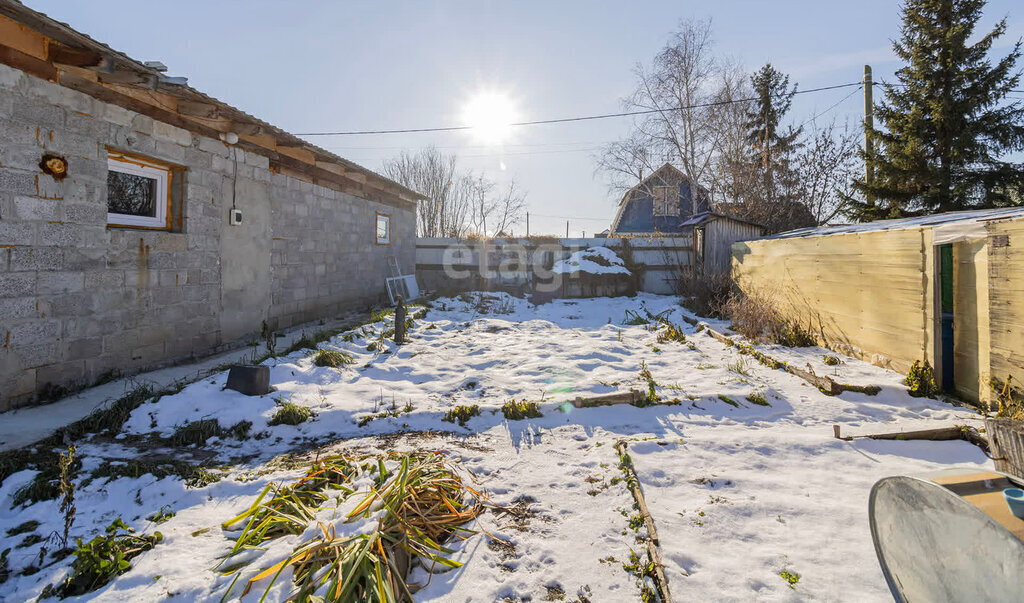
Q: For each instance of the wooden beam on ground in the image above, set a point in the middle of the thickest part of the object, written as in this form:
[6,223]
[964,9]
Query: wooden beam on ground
[654,543]
[823,382]
[939,434]
[631,397]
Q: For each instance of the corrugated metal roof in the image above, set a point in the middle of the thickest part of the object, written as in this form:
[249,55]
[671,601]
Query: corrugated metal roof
[700,218]
[954,217]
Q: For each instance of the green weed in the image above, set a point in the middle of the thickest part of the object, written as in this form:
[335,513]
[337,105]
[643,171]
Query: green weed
[103,558]
[462,414]
[518,410]
[289,413]
[790,577]
[332,358]
[728,400]
[757,398]
[921,380]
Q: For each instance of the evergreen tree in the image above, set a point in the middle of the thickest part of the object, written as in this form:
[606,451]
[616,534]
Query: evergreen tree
[773,200]
[946,124]
[774,97]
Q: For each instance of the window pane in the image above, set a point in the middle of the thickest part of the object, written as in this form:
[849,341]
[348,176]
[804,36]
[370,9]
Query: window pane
[131,194]
[382,228]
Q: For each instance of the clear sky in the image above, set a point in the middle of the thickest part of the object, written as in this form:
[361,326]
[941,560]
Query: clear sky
[355,65]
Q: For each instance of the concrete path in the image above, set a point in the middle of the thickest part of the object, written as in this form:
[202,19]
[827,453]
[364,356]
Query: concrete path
[24,426]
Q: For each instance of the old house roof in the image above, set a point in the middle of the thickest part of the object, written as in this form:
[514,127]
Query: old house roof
[658,173]
[667,173]
[48,49]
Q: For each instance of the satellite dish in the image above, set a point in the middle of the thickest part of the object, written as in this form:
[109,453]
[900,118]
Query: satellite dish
[935,543]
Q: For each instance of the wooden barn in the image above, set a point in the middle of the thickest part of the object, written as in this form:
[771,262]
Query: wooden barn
[946,288]
[666,204]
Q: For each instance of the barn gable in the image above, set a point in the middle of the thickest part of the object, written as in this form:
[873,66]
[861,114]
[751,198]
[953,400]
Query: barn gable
[661,203]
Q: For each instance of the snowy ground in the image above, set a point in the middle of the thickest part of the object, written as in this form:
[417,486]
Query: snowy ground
[738,493]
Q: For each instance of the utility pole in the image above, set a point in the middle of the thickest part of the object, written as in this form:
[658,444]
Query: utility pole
[567,229]
[527,225]
[869,126]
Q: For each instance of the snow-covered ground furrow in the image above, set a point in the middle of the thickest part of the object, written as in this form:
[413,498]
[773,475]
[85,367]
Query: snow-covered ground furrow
[796,498]
[736,506]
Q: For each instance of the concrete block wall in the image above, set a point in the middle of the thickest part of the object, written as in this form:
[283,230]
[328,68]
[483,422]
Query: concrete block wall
[79,300]
[657,262]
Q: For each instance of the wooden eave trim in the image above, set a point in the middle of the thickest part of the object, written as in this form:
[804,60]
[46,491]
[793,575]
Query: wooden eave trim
[111,77]
[143,102]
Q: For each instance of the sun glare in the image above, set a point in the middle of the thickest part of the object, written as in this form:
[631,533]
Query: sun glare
[490,115]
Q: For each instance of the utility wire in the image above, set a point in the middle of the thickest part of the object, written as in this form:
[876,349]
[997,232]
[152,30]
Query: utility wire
[572,119]
[844,99]
[532,214]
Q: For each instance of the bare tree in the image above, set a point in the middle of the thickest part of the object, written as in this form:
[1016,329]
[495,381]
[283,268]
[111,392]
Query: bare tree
[459,202]
[509,208]
[734,174]
[677,88]
[434,174]
[826,167]
[481,203]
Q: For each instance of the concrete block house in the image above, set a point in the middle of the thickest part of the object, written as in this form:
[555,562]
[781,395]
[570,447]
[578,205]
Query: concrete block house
[143,222]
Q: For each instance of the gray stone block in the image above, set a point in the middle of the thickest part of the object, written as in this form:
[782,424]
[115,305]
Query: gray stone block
[17,181]
[60,283]
[36,258]
[33,208]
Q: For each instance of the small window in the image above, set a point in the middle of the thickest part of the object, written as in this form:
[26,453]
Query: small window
[383,229]
[137,193]
[665,203]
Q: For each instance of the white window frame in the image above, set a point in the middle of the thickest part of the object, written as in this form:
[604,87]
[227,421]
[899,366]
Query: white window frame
[386,239]
[138,167]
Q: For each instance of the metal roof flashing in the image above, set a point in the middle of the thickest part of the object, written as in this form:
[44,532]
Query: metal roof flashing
[947,227]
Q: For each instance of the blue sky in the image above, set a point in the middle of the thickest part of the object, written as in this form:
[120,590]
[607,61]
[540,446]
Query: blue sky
[315,66]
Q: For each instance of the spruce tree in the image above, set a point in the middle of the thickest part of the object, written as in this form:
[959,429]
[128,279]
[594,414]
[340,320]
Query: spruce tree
[773,202]
[945,125]
[773,99]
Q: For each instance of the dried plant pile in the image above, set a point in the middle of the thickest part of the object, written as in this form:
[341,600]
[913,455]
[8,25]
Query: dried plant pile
[290,509]
[419,504]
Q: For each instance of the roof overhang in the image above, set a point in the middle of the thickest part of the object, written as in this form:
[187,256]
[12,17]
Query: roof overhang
[48,49]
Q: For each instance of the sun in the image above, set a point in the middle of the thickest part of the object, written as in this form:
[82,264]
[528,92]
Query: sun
[490,115]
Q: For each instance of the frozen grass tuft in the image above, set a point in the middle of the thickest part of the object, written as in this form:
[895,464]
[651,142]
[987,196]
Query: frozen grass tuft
[290,413]
[462,414]
[758,398]
[522,409]
[197,432]
[831,360]
[332,358]
[194,476]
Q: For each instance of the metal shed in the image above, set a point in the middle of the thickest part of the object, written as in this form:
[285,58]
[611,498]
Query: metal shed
[945,288]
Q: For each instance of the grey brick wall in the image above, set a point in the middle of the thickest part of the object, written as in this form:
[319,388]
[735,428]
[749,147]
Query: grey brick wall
[79,300]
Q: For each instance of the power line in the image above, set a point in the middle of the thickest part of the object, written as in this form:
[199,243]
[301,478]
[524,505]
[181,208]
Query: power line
[570,217]
[571,119]
[844,99]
